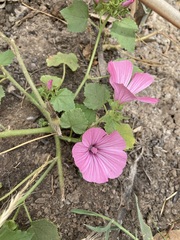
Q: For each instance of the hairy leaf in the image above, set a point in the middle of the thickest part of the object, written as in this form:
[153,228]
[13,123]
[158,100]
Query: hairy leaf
[43,230]
[96,95]
[124,32]
[8,233]
[74,119]
[69,59]
[89,113]
[76,16]
[6,57]
[63,101]
[2,93]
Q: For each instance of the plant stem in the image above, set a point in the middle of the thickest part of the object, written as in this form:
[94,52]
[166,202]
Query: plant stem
[22,132]
[28,193]
[27,212]
[40,104]
[59,164]
[22,182]
[21,89]
[23,68]
[16,213]
[64,72]
[92,57]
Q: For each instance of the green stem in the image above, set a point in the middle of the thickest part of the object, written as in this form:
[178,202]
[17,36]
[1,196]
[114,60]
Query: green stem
[64,73]
[59,164]
[16,213]
[40,103]
[92,57]
[21,89]
[23,68]
[98,78]
[42,109]
[27,212]
[28,193]
[22,132]
[21,183]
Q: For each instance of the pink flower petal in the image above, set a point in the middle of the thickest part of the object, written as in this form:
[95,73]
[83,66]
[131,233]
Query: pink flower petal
[95,171]
[139,82]
[148,100]
[122,94]
[120,71]
[101,159]
[92,136]
[115,164]
[111,143]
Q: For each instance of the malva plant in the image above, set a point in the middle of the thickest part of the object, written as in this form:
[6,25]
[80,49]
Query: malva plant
[103,137]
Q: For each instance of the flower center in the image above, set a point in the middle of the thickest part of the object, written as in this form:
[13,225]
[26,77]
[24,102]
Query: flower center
[93,149]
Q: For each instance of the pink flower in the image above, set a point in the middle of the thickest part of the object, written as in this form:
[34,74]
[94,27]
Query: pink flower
[100,156]
[127,3]
[124,90]
[49,84]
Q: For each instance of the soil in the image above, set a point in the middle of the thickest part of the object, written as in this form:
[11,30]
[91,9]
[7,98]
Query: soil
[156,127]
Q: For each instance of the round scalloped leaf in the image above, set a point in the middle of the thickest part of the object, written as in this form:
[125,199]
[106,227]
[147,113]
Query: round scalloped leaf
[74,119]
[6,58]
[69,59]
[96,95]
[63,101]
[124,31]
[76,16]
[43,230]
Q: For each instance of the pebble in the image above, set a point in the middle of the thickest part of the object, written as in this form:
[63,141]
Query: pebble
[40,200]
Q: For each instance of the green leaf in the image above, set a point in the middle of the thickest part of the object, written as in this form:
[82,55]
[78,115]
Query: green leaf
[56,80]
[63,101]
[124,32]
[74,119]
[89,113]
[44,230]
[61,58]
[84,212]
[2,93]
[76,16]
[100,229]
[6,233]
[136,69]
[126,132]
[6,58]
[145,229]
[96,95]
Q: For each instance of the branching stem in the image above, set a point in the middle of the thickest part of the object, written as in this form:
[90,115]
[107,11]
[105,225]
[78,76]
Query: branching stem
[102,26]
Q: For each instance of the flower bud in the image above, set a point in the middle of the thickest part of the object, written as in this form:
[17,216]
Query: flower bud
[127,3]
[49,84]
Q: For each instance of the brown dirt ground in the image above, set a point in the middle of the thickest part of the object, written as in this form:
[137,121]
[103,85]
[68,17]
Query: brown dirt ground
[157,127]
